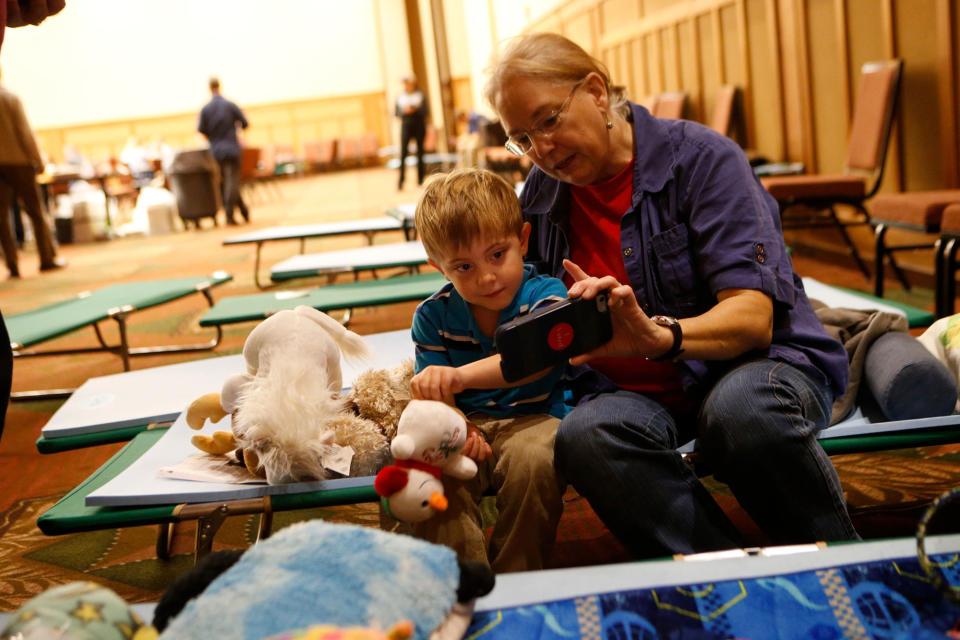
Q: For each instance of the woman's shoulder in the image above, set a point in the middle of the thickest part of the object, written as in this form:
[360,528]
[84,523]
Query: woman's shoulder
[704,139]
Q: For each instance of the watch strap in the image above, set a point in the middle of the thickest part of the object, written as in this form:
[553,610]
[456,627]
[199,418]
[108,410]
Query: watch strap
[677,348]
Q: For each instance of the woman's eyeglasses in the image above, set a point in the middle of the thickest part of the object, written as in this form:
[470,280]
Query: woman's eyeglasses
[520,143]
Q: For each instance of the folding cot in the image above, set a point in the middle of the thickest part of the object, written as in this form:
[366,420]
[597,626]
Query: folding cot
[115,302]
[74,513]
[876,589]
[330,263]
[366,226]
[849,298]
[346,295]
[403,212]
[97,504]
[115,408]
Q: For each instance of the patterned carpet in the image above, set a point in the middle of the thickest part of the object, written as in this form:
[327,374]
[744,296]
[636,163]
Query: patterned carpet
[886,490]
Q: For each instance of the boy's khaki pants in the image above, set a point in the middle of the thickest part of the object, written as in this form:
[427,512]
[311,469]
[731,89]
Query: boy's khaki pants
[529,497]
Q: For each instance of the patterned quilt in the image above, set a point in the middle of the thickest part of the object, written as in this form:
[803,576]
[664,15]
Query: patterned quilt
[881,600]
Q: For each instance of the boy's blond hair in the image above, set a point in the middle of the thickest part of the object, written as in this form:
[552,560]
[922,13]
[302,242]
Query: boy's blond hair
[464,206]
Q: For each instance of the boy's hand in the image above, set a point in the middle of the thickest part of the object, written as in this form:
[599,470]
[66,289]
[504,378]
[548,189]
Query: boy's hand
[437,383]
[476,446]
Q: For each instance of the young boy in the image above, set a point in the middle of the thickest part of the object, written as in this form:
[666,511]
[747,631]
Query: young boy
[470,224]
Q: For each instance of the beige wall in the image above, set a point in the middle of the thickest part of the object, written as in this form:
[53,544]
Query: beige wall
[797,62]
[101,70]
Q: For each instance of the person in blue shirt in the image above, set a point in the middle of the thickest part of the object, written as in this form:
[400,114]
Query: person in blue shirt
[714,337]
[470,224]
[219,120]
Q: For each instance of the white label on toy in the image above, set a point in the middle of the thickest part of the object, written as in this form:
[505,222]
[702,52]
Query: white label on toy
[202,467]
[338,459]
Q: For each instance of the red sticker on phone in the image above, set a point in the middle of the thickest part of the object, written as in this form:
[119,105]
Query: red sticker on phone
[560,336]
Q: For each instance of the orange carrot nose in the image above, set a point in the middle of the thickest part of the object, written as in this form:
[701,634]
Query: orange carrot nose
[438,502]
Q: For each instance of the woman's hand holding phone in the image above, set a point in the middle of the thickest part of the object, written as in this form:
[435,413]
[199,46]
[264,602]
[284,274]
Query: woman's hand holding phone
[634,333]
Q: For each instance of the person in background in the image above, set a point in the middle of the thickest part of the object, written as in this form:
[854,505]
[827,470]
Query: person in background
[412,110]
[469,137]
[219,120]
[20,162]
[16,14]
[470,224]
[135,156]
[714,337]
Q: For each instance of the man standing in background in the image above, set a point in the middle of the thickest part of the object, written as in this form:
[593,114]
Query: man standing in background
[219,119]
[412,110]
[20,162]
[10,15]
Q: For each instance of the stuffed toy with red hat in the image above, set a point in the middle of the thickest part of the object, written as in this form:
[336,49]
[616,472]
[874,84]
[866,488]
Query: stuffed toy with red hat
[430,438]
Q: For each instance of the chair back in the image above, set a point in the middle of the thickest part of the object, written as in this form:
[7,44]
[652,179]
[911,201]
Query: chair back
[670,105]
[430,139]
[369,147]
[249,160]
[721,120]
[649,102]
[873,115]
[268,160]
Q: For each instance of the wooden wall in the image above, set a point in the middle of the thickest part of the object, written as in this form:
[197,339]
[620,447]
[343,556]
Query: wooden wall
[289,123]
[797,62]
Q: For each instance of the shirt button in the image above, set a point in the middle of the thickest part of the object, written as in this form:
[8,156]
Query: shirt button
[628,252]
[761,258]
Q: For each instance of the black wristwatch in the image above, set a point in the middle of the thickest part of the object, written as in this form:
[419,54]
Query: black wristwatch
[674,325]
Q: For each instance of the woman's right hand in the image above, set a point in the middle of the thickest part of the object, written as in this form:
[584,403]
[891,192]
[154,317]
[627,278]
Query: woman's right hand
[634,333]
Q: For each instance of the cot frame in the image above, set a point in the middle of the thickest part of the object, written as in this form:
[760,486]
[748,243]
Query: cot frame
[71,515]
[122,348]
[368,227]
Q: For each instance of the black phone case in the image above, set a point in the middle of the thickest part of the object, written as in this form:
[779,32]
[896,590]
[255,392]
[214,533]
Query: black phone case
[551,335]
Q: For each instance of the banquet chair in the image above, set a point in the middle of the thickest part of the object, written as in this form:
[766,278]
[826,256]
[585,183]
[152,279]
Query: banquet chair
[810,201]
[670,105]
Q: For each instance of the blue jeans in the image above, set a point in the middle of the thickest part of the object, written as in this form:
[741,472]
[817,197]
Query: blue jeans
[756,430]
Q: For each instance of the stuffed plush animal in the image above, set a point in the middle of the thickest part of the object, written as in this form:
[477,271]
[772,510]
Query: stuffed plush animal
[430,437]
[286,409]
[381,395]
[323,573]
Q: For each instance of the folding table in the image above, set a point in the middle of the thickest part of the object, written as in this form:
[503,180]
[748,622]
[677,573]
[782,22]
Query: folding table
[366,226]
[115,302]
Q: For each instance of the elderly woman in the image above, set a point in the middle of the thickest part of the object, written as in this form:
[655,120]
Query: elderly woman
[714,337]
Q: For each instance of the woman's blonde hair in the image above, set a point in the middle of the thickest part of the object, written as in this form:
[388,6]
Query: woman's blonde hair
[464,206]
[550,57]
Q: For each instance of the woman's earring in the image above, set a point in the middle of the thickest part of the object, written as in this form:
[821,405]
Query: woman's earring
[609,124]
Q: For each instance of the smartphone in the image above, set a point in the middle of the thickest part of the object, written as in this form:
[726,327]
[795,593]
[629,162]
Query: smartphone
[551,335]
